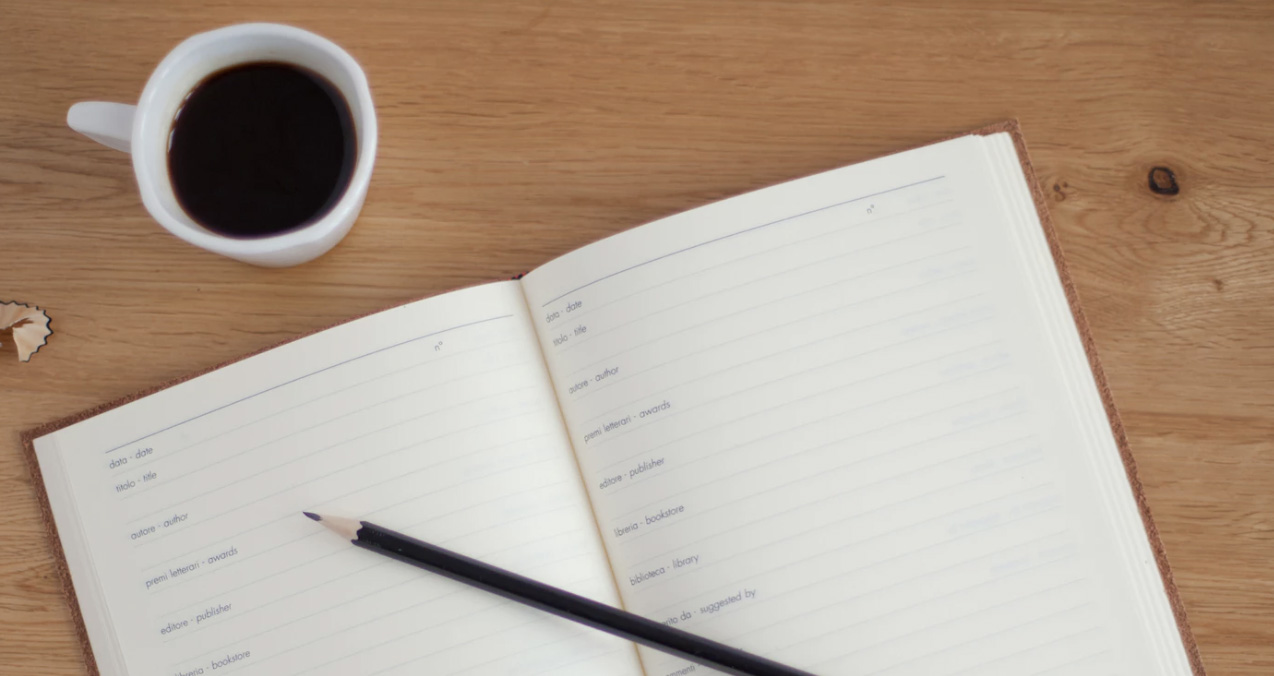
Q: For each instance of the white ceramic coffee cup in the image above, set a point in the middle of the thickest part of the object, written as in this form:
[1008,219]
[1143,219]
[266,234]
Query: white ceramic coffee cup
[143,130]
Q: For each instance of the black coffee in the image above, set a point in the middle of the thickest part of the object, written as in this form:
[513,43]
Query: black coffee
[261,148]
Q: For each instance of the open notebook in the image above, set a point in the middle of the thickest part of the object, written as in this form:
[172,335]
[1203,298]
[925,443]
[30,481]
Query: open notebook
[851,423]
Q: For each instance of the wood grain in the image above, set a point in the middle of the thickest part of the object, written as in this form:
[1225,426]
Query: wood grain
[513,132]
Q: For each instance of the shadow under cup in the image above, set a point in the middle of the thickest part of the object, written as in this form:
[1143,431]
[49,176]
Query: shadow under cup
[209,54]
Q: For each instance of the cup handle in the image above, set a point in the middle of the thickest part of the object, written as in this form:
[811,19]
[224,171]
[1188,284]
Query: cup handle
[110,124]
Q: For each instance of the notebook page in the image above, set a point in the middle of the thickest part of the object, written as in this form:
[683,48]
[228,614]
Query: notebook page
[822,422]
[180,512]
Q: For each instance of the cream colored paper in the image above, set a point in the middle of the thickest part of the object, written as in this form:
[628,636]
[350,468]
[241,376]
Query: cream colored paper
[846,422]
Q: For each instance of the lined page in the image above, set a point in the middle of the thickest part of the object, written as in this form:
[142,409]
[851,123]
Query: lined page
[180,512]
[820,422]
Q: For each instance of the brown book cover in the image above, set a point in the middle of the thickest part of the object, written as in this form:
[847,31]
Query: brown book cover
[1090,349]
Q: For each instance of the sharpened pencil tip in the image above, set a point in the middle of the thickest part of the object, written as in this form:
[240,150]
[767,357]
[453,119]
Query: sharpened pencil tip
[345,527]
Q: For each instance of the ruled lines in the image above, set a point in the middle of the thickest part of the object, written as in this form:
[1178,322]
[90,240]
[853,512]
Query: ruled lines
[437,417]
[786,431]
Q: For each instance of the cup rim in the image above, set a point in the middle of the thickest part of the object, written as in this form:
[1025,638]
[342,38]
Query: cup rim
[149,176]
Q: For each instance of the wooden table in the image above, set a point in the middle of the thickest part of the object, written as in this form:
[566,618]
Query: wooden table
[513,132]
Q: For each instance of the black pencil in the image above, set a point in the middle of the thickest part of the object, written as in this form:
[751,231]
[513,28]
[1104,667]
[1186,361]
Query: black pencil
[553,600]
